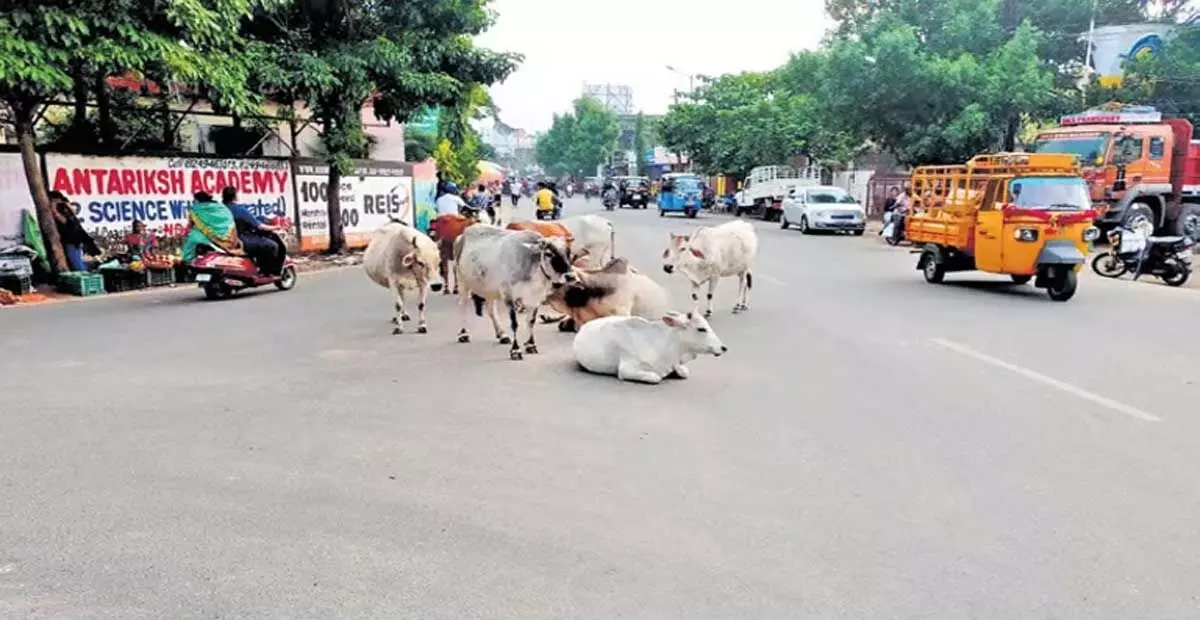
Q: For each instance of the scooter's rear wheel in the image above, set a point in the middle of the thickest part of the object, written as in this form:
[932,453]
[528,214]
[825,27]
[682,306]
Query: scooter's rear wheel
[217,290]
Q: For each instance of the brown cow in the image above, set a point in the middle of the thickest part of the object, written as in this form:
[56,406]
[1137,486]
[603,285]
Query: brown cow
[615,290]
[545,229]
[444,230]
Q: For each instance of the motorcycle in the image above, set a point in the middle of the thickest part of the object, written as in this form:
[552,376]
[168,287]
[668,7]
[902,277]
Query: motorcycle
[1168,258]
[610,200]
[221,275]
[893,228]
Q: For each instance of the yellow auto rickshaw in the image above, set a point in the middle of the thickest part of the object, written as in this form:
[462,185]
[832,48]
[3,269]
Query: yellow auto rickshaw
[1027,215]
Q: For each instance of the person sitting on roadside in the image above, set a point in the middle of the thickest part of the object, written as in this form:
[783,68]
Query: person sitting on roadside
[76,242]
[139,241]
[259,238]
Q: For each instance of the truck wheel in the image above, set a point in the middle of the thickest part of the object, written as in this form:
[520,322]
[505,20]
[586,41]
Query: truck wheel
[1188,222]
[1062,287]
[1139,212]
[933,271]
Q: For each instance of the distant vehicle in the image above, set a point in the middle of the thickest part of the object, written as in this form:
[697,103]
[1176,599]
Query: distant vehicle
[681,193]
[822,208]
[634,191]
[766,186]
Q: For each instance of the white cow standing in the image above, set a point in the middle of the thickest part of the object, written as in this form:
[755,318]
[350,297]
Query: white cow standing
[516,268]
[712,253]
[401,258]
[637,349]
[593,239]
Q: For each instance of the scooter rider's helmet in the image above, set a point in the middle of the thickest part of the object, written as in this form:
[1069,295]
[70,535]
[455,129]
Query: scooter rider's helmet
[451,188]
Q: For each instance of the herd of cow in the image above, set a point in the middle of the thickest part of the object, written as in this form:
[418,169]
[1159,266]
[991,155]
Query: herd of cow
[569,268]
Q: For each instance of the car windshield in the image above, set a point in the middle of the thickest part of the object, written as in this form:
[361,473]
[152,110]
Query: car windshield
[1087,147]
[687,184]
[830,196]
[635,183]
[1052,193]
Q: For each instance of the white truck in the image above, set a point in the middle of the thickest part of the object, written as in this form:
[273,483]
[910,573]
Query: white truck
[765,187]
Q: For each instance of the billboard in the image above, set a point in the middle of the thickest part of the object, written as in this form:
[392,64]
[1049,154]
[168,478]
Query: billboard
[1113,45]
[372,195]
[14,198]
[109,193]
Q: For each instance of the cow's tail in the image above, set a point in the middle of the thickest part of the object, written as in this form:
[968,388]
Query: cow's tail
[478,304]
[612,241]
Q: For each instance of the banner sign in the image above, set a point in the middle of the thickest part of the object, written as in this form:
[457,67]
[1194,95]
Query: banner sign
[14,198]
[373,194]
[109,193]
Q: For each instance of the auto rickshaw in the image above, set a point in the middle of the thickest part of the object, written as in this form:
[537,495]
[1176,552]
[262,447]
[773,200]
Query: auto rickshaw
[681,193]
[1027,215]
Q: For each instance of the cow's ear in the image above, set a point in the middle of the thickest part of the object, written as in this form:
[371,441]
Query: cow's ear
[697,253]
[409,259]
[672,319]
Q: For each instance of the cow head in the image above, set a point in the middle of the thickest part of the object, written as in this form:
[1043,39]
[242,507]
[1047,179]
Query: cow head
[554,260]
[421,271]
[679,246]
[694,333]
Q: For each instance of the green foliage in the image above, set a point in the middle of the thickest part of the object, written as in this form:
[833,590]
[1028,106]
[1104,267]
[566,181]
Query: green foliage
[459,147]
[735,122]
[578,141]
[419,145]
[640,143]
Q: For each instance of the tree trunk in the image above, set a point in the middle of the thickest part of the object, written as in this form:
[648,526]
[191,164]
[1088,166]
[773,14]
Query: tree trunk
[108,132]
[79,90]
[1010,132]
[337,232]
[26,137]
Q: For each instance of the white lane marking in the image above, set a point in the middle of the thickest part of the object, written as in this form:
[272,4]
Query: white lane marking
[1033,375]
[766,278]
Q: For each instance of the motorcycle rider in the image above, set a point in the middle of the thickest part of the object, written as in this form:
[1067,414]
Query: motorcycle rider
[259,239]
[449,203]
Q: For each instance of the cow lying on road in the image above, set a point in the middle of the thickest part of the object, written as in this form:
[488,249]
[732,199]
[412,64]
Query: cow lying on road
[712,253]
[615,290]
[637,349]
[516,268]
[401,258]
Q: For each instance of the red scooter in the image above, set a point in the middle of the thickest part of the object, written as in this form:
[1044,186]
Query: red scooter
[221,275]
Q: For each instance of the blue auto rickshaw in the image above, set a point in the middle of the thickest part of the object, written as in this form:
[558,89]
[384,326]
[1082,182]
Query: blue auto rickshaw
[681,193]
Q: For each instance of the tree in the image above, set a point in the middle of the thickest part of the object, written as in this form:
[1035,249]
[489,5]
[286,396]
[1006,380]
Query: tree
[640,143]
[419,145]
[56,47]
[579,141]
[338,55]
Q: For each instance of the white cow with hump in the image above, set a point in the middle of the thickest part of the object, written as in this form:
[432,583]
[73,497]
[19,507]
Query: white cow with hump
[637,349]
[401,258]
[711,253]
[516,268]
[593,240]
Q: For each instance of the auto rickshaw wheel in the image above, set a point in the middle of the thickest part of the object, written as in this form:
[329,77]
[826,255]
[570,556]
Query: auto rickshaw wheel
[1021,279]
[1062,286]
[933,271]
[690,213]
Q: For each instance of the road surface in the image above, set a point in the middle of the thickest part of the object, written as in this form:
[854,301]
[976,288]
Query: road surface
[872,446]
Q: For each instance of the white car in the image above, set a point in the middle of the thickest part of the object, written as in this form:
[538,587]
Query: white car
[823,207]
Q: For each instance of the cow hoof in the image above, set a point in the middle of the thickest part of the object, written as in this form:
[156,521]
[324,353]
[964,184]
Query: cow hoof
[422,329]
[445,291]
[397,331]
[707,314]
[456,290]
[394,321]
[405,317]
[464,338]
[515,355]
[504,340]
[531,348]
[566,326]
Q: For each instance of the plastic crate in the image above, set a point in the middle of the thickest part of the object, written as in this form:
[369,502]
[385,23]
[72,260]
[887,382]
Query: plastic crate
[121,280]
[81,283]
[160,277]
[17,284]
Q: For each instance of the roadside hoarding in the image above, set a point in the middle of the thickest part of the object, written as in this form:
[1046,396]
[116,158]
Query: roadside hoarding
[109,193]
[14,198]
[373,194]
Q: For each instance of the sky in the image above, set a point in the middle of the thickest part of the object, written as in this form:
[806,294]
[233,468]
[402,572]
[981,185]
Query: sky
[632,42]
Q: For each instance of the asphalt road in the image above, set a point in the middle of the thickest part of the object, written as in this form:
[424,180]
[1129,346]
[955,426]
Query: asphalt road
[871,447]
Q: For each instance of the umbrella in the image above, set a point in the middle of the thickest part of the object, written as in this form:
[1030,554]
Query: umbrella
[490,171]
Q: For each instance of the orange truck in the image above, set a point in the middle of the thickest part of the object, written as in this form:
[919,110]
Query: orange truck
[1138,165]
